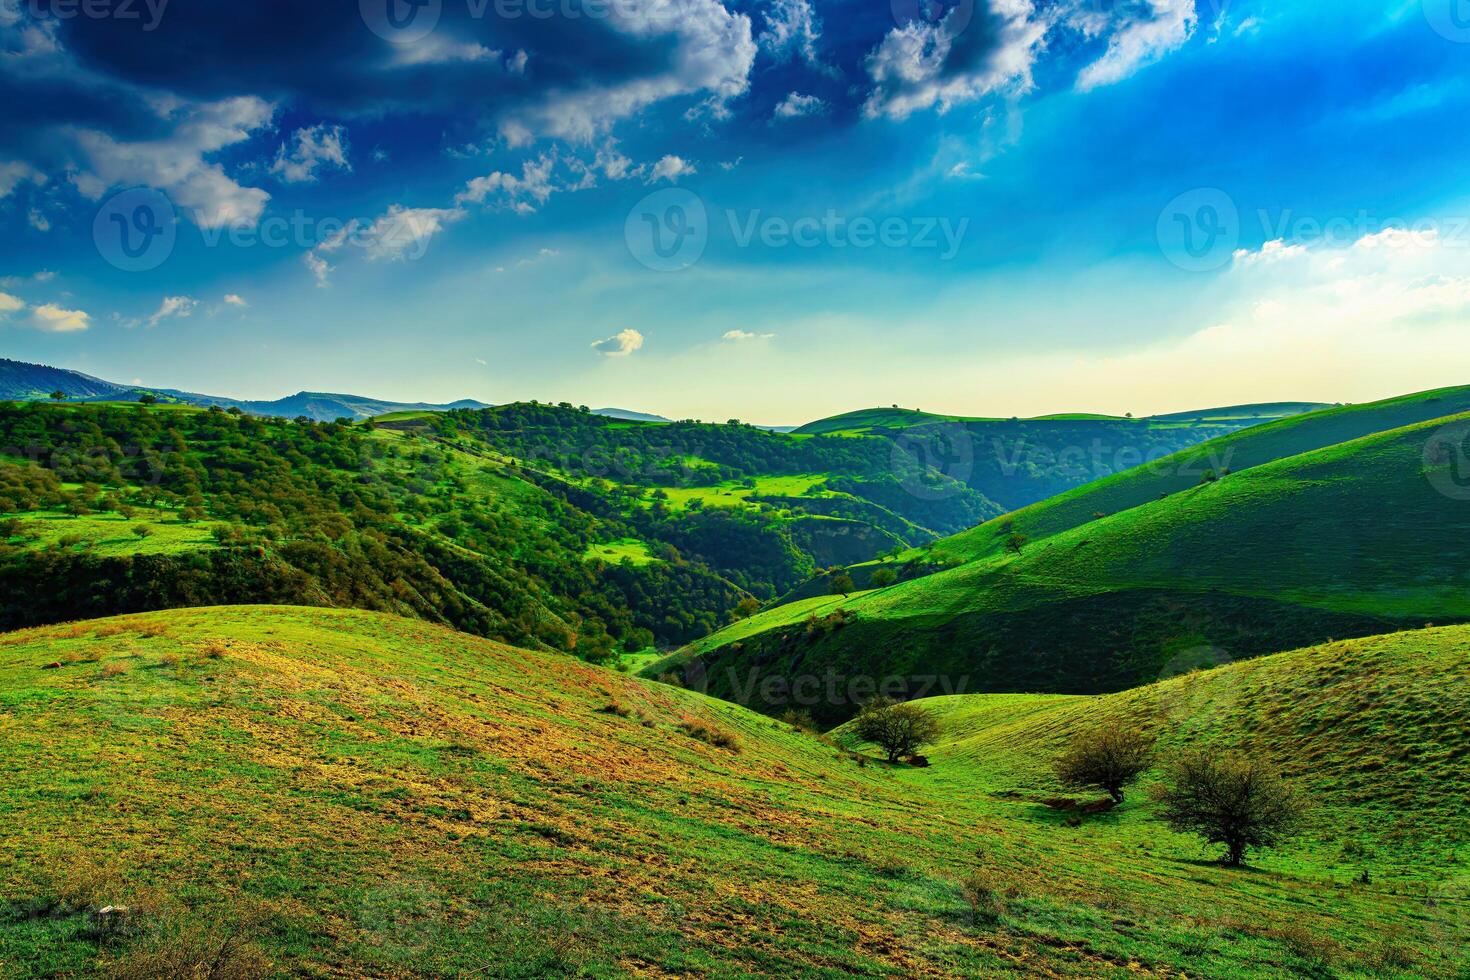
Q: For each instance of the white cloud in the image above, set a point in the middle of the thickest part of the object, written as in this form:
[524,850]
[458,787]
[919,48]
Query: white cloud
[53,319]
[620,344]
[180,307]
[320,270]
[176,164]
[10,304]
[671,168]
[438,48]
[740,336]
[235,300]
[13,173]
[704,49]
[404,233]
[1141,41]
[1273,251]
[795,105]
[310,149]
[523,194]
[38,220]
[940,65]
[792,28]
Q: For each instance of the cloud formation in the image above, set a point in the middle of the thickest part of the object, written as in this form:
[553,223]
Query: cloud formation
[620,344]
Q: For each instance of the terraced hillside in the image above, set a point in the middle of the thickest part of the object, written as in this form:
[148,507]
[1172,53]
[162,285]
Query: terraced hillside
[323,792]
[1354,539]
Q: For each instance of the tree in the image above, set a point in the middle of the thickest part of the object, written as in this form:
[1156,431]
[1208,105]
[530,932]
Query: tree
[899,729]
[58,396]
[884,577]
[142,531]
[1015,542]
[147,398]
[747,607]
[1237,801]
[1106,758]
[843,585]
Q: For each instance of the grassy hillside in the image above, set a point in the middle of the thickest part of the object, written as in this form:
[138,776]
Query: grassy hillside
[1345,541]
[1252,447]
[321,792]
[1016,462]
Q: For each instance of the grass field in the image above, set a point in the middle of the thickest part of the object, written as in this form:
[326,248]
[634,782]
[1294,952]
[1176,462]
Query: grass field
[735,494]
[112,534]
[614,552]
[345,793]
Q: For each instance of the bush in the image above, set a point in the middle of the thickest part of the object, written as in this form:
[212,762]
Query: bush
[986,896]
[1238,801]
[1108,758]
[884,577]
[709,734]
[898,729]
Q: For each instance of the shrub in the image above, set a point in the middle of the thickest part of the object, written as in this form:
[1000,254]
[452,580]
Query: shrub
[709,734]
[985,893]
[884,577]
[1108,758]
[142,531]
[616,708]
[114,668]
[800,720]
[176,948]
[899,729]
[843,585]
[1238,801]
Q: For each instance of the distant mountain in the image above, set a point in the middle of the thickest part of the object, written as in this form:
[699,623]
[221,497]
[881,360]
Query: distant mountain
[25,382]
[627,416]
[31,382]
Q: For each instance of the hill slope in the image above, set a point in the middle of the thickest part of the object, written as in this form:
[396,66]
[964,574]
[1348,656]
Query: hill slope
[1350,540]
[327,792]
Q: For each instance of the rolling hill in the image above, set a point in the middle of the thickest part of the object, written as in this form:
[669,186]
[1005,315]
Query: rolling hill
[1358,538]
[1017,462]
[275,790]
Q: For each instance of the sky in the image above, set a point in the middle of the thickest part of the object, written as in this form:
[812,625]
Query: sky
[773,210]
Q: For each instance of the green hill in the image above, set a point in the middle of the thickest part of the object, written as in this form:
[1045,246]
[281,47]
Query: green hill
[1349,540]
[1260,444]
[277,791]
[1016,462]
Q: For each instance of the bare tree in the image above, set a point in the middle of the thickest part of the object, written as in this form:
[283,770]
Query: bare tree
[1108,758]
[1238,801]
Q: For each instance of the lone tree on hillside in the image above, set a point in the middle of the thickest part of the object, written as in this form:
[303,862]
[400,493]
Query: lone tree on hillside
[1107,758]
[843,585]
[898,728]
[1015,542]
[58,396]
[1238,801]
[884,577]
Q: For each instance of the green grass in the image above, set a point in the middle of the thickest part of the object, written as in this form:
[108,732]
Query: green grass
[615,552]
[734,494]
[368,795]
[1349,540]
[1298,433]
[112,534]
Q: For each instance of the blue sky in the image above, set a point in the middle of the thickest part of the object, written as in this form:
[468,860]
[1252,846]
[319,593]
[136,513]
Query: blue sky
[1002,207]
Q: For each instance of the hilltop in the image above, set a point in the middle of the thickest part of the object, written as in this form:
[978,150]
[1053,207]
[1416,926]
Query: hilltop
[1350,540]
[350,793]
